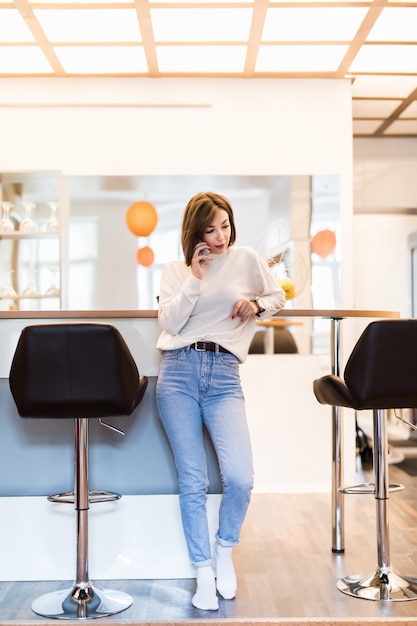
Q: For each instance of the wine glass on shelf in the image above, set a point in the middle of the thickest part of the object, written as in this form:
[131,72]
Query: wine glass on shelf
[30,290]
[52,224]
[6,224]
[27,225]
[6,289]
[53,290]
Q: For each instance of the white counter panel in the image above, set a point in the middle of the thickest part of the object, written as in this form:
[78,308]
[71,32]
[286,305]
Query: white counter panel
[290,430]
[137,537]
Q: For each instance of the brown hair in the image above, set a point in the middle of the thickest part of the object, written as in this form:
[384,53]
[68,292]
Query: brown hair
[198,215]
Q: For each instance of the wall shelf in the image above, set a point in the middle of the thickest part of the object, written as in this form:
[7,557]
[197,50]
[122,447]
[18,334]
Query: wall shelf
[33,259]
[22,236]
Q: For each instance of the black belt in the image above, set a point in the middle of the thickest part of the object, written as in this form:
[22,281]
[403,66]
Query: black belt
[201,346]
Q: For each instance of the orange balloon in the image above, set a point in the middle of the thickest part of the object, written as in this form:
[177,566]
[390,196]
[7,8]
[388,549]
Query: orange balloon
[141,218]
[323,243]
[145,256]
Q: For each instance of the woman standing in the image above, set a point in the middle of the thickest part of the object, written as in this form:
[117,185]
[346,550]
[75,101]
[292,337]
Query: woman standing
[207,309]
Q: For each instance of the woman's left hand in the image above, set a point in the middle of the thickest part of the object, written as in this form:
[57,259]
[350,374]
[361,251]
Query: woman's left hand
[244,309]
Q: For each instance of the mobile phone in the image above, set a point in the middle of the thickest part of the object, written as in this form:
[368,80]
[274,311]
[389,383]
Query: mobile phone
[204,251]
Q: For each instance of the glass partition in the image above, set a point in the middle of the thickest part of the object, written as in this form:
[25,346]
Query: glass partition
[104,272]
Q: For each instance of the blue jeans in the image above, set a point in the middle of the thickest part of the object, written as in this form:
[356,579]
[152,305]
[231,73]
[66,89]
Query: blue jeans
[196,388]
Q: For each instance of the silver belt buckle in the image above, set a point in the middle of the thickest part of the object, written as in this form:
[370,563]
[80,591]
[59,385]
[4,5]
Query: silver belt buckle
[200,349]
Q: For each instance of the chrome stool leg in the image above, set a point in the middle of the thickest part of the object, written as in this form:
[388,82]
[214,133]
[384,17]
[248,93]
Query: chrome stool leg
[338,515]
[382,584]
[83,600]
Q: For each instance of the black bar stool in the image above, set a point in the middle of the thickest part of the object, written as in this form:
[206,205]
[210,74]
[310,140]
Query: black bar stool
[79,371]
[380,374]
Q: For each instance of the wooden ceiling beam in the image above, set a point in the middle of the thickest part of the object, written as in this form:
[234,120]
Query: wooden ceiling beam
[364,29]
[25,10]
[255,35]
[148,39]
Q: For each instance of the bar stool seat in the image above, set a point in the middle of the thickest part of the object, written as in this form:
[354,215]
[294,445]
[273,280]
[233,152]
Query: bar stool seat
[380,374]
[76,371]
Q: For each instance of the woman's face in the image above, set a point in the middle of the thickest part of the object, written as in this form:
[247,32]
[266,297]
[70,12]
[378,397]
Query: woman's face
[217,234]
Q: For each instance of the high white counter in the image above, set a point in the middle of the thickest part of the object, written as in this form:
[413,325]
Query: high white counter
[140,536]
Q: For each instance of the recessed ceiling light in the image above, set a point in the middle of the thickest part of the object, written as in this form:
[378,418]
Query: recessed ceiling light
[402,127]
[102,59]
[385,59]
[383,86]
[410,111]
[366,127]
[395,24]
[13,27]
[201,24]
[372,108]
[85,25]
[23,60]
[201,1]
[223,59]
[300,58]
[312,24]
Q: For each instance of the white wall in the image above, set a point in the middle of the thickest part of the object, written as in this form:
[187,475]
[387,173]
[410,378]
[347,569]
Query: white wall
[176,126]
[181,126]
[385,206]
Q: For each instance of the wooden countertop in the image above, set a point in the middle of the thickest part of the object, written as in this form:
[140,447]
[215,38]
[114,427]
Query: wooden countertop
[66,314]
[153,313]
[336,313]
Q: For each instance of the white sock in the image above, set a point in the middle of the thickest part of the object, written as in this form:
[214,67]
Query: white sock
[225,571]
[205,597]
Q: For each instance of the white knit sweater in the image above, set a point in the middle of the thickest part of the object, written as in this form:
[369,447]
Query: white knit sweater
[193,310]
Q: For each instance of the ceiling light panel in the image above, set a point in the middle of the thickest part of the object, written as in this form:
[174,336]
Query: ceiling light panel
[72,25]
[300,58]
[402,127]
[386,59]
[383,86]
[365,127]
[191,59]
[13,27]
[200,24]
[23,60]
[75,3]
[101,59]
[374,108]
[395,24]
[410,111]
[318,24]
[251,2]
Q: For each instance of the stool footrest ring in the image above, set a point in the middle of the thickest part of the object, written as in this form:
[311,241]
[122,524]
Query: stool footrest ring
[367,488]
[68,497]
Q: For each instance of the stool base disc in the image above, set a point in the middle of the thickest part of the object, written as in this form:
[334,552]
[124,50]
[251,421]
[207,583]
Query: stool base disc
[76,603]
[383,587]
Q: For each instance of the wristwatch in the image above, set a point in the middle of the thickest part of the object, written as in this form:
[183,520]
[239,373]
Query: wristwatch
[260,308]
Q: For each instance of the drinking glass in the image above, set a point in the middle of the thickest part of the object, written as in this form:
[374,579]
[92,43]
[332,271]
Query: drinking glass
[53,290]
[30,290]
[6,224]
[7,290]
[27,225]
[52,224]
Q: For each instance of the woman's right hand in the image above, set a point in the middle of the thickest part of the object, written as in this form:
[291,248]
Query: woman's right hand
[200,257]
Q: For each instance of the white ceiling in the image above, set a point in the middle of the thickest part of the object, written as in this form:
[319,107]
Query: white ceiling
[372,42]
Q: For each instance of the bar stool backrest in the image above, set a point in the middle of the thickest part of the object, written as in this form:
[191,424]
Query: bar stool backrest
[74,370]
[381,372]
